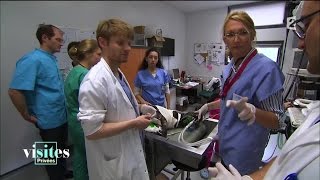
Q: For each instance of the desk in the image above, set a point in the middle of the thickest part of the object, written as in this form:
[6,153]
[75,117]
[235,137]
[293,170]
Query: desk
[189,89]
[188,85]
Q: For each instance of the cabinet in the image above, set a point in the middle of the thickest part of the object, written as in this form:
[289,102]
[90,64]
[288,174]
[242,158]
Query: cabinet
[305,85]
[131,67]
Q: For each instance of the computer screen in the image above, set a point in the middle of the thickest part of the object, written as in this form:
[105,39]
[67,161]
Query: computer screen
[168,47]
[176,74]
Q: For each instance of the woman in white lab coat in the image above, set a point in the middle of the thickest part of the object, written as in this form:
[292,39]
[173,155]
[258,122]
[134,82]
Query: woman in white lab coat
[109,113]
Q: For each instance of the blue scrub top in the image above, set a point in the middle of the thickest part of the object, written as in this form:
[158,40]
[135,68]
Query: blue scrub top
[38,77]
[153,88]
[126,89]
[242,145]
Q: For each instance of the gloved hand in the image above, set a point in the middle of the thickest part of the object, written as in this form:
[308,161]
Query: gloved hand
[145,109]
[221,173]
[246,110]
[156,121]
[202,111]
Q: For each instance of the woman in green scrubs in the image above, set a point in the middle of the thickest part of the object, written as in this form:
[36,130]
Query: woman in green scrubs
[88,53]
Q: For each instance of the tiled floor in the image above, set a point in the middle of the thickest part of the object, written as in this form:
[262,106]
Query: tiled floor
[29,171]
[33,172]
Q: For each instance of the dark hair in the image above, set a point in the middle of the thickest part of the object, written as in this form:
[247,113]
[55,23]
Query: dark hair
[45,29]
[72,51]
[144,64]
[73,43]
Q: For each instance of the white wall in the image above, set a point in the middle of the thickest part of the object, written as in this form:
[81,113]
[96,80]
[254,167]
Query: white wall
[19,22]
[205,27]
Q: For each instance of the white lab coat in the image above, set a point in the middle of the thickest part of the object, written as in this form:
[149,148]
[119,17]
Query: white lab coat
[301,152]
[102,99]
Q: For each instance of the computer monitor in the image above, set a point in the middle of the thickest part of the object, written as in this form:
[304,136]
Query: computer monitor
[176,74]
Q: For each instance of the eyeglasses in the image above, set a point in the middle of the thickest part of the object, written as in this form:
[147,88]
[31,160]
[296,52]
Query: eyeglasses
[240,34]
[300,27]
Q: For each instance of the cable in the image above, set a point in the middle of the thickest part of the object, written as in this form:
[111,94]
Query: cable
[295,76]
[287,81]
[284,49]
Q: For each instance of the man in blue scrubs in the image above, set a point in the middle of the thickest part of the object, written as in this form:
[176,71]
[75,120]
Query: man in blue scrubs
[37,92]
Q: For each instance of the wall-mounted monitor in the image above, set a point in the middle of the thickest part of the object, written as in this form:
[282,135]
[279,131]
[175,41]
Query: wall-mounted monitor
[168,47]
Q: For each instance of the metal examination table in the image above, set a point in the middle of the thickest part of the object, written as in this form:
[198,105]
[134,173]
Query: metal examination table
[161,151]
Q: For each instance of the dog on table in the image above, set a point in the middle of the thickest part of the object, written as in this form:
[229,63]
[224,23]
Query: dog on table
[168,119]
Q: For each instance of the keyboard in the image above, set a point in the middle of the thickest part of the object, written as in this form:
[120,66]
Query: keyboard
[296,116]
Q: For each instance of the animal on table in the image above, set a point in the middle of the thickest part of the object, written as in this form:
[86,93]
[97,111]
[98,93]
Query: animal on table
[169,119]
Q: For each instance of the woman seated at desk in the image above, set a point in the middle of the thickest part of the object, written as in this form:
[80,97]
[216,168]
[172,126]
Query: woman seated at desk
[152,81]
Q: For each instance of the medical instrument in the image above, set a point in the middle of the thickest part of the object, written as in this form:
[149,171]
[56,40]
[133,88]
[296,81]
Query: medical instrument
[302,102]
[296,116]
[309,107]
[168,149]
[193,133]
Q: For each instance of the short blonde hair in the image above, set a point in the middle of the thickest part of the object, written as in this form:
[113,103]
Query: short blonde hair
[114,27]
[242,17]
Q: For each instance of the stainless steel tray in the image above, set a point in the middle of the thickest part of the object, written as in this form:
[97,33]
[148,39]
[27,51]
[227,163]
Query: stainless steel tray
[174,150]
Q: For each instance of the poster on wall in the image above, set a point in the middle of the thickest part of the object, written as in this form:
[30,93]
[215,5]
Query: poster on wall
[86,34]
[200,48]
[210,53]
[216,53]
[200,52]
[70,35]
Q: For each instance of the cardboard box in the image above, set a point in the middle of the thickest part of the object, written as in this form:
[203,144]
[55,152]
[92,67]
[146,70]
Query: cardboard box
[139,29]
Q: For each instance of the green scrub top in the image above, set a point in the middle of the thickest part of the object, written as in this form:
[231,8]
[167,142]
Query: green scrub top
[72,85]
[71,89]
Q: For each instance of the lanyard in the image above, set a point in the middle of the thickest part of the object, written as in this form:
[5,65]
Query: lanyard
[230,81]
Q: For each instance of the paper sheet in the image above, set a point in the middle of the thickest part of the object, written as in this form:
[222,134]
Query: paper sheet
[70,34]
[200,59]
[200,48]
[192,84]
